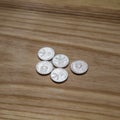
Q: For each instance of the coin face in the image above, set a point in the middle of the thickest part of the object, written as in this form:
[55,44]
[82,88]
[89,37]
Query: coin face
[46,53]
[44,67]
[60,60]
[79,67]
[59,75]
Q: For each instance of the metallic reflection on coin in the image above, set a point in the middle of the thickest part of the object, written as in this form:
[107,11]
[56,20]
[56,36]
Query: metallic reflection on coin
[60,60]
[79,67]
[59,75]
[44,67]
[46,53]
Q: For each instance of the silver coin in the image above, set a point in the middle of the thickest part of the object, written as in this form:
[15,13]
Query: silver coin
[59,75]
[79,67]
[60,60]
[46,53]
[44,67]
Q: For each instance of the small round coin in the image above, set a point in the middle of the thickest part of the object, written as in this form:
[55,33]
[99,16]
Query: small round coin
[44,67]
[59,75]
[46,53]
[60,60]
[79,67]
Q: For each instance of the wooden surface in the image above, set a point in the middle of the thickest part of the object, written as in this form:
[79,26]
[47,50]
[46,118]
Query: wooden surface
[81,29]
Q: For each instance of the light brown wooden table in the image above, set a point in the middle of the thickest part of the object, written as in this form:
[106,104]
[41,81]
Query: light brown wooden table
[81,29]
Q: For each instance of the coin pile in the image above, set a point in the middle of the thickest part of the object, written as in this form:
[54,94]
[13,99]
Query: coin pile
[55,65]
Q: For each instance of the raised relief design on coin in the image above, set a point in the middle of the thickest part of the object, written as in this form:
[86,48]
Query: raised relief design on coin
[46,53]
[55,76]
[59,75]
[79,67]
[44,67]
[60,60]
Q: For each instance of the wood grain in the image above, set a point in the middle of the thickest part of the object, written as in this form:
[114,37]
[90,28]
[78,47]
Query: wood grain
[83,29]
